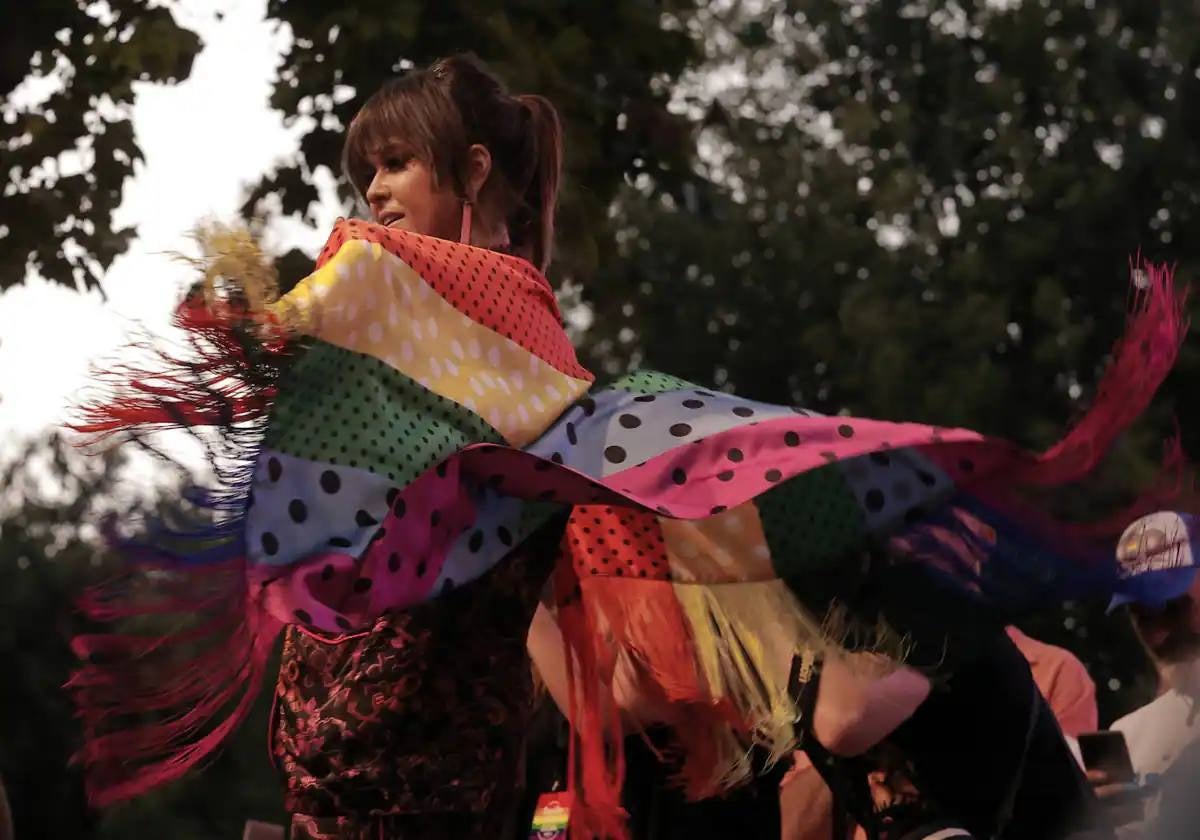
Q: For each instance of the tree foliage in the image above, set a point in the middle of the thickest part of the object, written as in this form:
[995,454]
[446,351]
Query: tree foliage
[67,157]
[911,209]
[924,211]
[51,501]
[44,556]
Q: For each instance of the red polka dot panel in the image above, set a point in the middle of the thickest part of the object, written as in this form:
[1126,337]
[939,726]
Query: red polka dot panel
[616,542]
[503,293]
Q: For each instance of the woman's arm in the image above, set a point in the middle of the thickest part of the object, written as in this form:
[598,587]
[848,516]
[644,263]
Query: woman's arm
[805,802]
[545,645]
[860,703]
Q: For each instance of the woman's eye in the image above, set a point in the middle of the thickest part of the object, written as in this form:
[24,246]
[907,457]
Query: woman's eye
[396,162]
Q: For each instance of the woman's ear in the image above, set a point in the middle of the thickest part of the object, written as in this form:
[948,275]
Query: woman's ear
[479,167]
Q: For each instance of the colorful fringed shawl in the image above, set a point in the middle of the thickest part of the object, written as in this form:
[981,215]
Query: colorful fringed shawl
[413,410]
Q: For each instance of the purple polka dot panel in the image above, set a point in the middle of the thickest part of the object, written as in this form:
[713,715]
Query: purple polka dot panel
[893,486]
[501,524]
[619,429]
[304,507]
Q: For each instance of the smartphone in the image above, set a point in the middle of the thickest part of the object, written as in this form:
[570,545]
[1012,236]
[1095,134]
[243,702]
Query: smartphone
[1108,752]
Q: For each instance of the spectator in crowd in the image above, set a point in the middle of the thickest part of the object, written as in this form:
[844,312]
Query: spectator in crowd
[1063,681]
[1160,587]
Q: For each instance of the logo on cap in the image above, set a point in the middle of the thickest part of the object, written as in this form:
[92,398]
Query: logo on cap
[1154,543]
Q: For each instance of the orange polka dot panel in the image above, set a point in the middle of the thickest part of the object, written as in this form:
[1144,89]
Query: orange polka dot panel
[616,542]
[503,293]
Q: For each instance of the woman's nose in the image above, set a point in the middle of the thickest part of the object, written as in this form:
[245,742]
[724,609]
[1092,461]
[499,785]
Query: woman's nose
[377,190]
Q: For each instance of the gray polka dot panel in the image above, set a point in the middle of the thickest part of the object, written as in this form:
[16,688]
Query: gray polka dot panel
[622,429]
[497,529]
[894,486]
[502,523]
[299,508]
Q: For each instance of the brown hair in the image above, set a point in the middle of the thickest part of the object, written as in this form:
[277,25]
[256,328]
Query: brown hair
[439,112]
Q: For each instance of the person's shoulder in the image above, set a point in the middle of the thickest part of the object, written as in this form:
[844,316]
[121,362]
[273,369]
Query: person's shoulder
[1045,656]
[1154,711]
[1035,651]
[1070,663]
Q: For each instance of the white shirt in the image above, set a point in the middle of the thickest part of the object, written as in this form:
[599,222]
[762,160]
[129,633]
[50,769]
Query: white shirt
[1160,731]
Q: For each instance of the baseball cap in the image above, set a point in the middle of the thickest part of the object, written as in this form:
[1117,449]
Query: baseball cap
[1155,560]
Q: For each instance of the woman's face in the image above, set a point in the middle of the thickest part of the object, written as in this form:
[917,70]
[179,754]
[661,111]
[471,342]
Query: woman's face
[403,194]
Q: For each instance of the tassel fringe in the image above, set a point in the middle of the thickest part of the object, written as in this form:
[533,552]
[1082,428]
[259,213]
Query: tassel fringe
[160,693]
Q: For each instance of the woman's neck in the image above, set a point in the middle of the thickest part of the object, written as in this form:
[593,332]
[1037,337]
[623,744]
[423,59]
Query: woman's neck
[1183,677]
[481,231]
[494,240]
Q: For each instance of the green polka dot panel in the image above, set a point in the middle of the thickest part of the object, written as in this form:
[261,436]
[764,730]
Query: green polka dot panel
[536,514]
[651,382]
[811,522]
[344,408]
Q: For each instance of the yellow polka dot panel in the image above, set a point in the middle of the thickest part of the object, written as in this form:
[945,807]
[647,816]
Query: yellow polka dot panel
[728,547]
[368,300]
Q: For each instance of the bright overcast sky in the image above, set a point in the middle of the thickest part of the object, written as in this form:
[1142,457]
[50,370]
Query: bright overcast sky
[195,167]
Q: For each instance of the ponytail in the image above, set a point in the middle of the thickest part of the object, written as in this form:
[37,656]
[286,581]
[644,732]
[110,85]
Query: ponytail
[541,195]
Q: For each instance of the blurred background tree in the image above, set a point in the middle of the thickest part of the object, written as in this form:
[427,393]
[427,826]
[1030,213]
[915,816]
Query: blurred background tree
[923,210]
[67,74]
[51,500]
[912,209]
[45,556]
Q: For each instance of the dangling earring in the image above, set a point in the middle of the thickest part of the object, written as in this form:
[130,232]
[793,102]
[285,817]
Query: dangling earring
[464,233]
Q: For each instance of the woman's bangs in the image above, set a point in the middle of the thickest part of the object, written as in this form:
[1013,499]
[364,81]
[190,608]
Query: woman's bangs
[389,123]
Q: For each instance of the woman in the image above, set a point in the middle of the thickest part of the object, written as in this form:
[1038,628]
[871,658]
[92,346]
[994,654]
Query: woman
[410,445]
[413,725]
[424,166]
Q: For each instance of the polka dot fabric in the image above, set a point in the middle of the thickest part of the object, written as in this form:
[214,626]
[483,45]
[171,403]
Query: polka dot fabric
[728,547]
[651,382]
[503,523]
[302,507]
[895,487]
[810,522]
[636,427]
[709,467]
[617,542]
[345,409]
[726,468]
[367,300]
[504,293]
[401,499]
[409,542]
